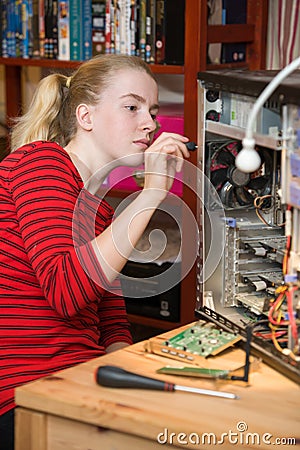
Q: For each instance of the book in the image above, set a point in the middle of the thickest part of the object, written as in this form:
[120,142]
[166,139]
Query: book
[25,18]
[63,26]
[234,11]
[10,29]
[86,29]
[125,27]
[122,26]
[54,21]
[48,28]
[159,32]
[17,27]
[75,30]
[42,27]
[133,27]
[51,36]
[174,27]
[142,30]
[150,31]
[98,26]
[137,27]
[108,12]
[3,28]
[35,39]
[116,26]
[19,14]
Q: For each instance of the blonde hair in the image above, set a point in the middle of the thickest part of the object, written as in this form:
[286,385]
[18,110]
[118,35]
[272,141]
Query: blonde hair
[51,115]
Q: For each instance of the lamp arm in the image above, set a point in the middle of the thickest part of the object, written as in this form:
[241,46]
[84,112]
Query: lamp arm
[248,160]
[267,92]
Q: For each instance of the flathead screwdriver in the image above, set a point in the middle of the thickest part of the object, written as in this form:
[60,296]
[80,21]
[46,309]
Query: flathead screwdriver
[114,376]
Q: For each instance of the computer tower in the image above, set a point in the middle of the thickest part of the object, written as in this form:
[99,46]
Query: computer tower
[253,280]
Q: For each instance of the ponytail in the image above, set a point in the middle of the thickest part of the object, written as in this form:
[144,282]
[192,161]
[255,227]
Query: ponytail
[41,122]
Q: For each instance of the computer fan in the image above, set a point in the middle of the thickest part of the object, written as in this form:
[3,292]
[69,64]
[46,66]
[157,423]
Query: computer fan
[237,189]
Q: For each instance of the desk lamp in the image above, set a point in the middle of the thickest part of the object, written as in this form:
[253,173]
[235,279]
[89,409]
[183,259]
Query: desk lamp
[248,160]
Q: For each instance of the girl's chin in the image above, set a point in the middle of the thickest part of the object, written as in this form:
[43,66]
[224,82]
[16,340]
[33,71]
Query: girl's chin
[132,160]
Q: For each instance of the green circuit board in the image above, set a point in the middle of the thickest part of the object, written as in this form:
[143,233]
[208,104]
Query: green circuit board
[203,339]
[194,372]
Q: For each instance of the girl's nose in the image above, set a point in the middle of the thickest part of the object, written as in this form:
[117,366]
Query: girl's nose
[149,123]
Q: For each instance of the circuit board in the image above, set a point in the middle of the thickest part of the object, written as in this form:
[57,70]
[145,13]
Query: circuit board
[202,339]
[195,344]
[194,372]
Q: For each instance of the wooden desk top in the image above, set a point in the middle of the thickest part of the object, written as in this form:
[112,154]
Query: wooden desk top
[268,407]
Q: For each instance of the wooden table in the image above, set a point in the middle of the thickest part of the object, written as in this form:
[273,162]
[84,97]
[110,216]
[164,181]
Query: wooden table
[69,411]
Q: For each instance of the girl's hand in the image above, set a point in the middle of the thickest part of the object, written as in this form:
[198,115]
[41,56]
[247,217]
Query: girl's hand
[162,160]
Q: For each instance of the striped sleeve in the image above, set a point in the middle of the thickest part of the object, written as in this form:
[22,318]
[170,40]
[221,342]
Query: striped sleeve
[44,188]
[113,319]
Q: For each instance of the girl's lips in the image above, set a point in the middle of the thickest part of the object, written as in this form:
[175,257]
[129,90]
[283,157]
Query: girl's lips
[143,142]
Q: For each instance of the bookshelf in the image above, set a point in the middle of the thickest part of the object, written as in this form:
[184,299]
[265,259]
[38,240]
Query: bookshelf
[197,36]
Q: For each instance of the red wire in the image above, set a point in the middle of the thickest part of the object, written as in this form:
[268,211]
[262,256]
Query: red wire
[271,310]
[269,335]
[289,296]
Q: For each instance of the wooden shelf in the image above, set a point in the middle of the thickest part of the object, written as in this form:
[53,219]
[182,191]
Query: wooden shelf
[236,65]
[230,33]
[58,64]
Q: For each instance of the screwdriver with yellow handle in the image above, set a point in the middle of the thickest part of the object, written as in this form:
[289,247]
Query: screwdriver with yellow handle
[116,377]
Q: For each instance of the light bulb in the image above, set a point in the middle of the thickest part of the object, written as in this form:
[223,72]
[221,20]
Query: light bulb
[248,160]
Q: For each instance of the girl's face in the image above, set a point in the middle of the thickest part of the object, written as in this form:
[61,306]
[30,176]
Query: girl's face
[124,118]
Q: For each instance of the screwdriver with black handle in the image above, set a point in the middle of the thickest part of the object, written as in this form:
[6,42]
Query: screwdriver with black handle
[191,146]
[116,377]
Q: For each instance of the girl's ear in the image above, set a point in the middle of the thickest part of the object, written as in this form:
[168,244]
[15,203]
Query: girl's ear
[83,114]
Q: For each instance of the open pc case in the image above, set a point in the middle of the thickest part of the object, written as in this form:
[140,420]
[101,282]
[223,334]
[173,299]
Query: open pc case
[255,279]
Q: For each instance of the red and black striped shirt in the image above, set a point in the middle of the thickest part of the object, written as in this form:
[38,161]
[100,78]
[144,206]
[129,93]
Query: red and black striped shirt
[55,307]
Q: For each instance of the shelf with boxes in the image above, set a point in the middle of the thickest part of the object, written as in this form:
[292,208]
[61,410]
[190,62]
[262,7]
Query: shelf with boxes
[76,30]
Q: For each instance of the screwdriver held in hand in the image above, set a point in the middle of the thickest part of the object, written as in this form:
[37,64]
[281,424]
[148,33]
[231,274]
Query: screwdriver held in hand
[191,146]
[113,376]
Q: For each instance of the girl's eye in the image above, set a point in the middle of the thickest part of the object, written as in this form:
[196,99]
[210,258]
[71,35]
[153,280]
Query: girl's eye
[153,116]
[131,108]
